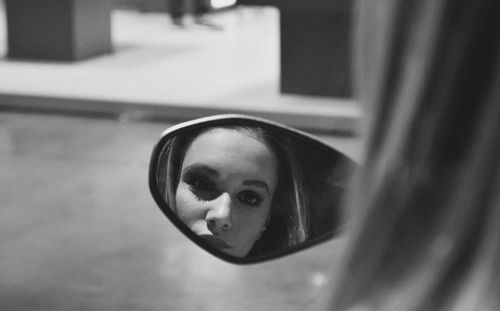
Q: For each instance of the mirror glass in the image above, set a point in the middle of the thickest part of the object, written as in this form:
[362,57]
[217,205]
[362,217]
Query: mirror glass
[250,190]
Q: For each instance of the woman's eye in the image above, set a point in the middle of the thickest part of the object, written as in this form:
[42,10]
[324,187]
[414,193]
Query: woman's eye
[202,184]
[250,198]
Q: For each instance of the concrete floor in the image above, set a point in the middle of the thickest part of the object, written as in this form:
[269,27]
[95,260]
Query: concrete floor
[80,231]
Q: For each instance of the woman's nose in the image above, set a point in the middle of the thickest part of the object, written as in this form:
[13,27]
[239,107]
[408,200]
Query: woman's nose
[219,214]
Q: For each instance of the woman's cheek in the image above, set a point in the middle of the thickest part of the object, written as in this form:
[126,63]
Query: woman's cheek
[187,206]
[252,221]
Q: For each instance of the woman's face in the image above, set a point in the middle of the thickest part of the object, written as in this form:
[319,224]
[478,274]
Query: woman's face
[227,183]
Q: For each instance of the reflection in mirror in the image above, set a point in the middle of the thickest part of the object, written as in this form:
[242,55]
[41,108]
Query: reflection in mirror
[250,190]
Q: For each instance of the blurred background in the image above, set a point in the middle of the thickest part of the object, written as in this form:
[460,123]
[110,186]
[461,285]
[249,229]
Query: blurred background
[86,88]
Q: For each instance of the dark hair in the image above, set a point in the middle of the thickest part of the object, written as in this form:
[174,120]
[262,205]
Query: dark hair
[288,223]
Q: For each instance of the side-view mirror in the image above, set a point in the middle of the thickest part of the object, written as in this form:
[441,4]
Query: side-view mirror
[247,189]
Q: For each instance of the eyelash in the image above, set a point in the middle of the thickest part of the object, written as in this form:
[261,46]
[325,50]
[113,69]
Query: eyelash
[204,194]
[257,197]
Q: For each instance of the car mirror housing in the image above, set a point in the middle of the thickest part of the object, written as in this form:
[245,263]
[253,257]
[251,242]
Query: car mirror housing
[248,189]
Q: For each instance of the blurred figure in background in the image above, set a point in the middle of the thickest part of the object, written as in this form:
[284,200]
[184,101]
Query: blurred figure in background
[177,9]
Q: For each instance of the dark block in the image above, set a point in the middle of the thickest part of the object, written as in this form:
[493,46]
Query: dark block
[315,45]
[58,29]
[315,52]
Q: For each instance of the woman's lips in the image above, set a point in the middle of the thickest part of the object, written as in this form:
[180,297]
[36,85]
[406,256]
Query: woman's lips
[215,241]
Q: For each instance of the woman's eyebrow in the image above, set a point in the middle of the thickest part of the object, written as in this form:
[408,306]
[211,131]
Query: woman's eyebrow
[257,183]
[201,168]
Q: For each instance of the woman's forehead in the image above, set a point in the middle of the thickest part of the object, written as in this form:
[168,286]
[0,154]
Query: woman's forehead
[244,142]
[232,151]
[221,133]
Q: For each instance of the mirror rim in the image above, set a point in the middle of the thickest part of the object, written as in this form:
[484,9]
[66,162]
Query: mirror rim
[228,119]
